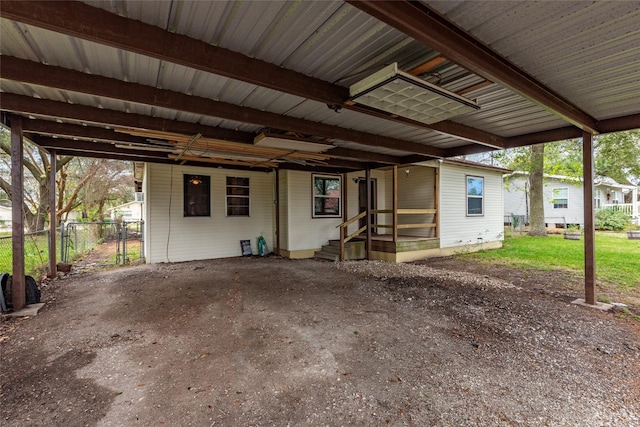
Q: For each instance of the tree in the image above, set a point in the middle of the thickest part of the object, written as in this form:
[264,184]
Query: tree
[617,156]
[536,187]
[80,182]
[36,182]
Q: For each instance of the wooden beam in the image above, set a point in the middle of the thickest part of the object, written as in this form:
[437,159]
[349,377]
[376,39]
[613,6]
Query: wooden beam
[52,214]
[17,216]
[368,156]
[82,113]
[34,73]
[51,128]
[77,19]
[427,66]
[589,221]
[87,147]
[428,26]
[97,25]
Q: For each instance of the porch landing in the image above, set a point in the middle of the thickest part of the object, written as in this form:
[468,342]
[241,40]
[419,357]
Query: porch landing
[385,243]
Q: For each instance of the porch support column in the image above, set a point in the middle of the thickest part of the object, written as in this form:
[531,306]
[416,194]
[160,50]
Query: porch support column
[589,220]
[395,203]
[368,180]
[436,203]
[52,214]
[17,219]
[277,203]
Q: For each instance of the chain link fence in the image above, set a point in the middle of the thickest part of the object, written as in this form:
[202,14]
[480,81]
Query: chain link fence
[117,242]
[36,253]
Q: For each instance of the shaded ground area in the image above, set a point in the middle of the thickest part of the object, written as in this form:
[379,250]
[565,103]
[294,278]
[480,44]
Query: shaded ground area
[254,341]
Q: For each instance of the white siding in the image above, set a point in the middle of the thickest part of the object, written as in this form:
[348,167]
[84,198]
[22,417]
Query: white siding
[416,190]
[574,213]
[284,209]
[457,229]
[171,237]
[305,232]
[515,200]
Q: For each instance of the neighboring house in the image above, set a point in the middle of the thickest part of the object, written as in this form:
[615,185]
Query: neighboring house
[5,215]
[201,213]
[130,212]
[564,199]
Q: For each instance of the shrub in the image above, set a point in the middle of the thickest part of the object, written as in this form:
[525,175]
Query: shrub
[611,219]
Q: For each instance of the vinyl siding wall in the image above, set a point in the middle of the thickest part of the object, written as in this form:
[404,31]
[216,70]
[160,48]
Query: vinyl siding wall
[515,200]
[458,229]
[573,214]
[171,237]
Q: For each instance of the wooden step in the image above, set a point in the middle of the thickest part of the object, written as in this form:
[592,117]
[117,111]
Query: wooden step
[352,250]
[325,255]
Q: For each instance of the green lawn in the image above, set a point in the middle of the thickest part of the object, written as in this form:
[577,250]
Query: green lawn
[617,258]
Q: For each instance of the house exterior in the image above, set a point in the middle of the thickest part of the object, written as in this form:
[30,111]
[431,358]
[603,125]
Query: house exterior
[5,216]
[131,211]
[442,207]
[564,200]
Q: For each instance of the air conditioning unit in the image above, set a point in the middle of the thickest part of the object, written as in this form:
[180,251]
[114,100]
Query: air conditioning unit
[139,197]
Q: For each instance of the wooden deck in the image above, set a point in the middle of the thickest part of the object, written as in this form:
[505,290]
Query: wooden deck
[384,243]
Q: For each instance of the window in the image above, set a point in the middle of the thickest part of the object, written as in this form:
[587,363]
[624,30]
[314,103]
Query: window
[327,196]
[560,198]
[475,195]
[237,196]
[197,195]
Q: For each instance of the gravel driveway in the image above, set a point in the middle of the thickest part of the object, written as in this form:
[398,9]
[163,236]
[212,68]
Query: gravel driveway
[276,342]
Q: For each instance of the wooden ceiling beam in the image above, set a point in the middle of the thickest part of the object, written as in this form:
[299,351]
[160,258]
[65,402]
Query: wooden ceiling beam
[80,20]
[61,78]
[50,128]
[418,20]
[76,112]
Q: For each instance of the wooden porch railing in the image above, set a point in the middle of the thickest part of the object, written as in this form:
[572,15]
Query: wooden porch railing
[344,238]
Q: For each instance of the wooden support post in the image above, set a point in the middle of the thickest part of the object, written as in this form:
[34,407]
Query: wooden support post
[368,179]
[345,214]
[436,204]
[17,218]
[589,220]
[277,203]
[395,203]
[52,214]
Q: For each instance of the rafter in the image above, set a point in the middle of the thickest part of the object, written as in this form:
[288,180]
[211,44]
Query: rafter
[81,20]
[425,24]
[61,78]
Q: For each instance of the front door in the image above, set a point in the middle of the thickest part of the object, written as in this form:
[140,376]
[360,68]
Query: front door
[362,201]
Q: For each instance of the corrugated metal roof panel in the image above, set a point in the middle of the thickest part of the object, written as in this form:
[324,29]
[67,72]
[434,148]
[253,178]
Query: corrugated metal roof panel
[571,46]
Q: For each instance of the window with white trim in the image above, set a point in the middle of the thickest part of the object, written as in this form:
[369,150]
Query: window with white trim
[327,196]
[560,198]
[475,196]
[238,196]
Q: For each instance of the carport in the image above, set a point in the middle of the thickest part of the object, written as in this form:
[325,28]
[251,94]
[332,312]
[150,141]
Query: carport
[201,83]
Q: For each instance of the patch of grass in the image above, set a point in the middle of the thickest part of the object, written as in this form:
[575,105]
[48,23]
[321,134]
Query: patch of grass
[617,258]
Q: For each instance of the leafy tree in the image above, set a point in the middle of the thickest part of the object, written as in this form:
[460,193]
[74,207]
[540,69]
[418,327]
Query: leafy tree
[81,182]
[36,164]
[617,156]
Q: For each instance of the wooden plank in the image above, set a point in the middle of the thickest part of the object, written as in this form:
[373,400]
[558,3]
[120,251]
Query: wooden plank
[394,220]
[426,225]
[367,175]
[427,66]
[416,211]
[436,193]
[17,218]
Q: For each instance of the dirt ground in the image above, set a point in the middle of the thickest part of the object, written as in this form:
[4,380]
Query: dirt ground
[276,342]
